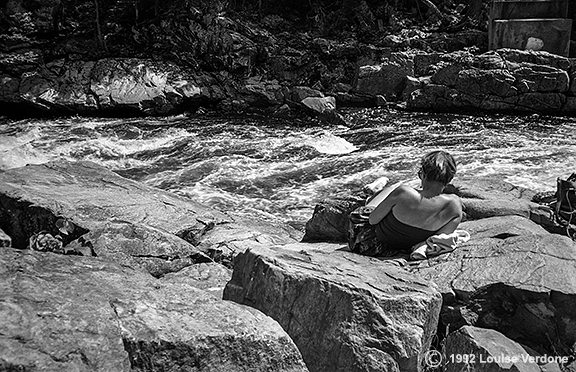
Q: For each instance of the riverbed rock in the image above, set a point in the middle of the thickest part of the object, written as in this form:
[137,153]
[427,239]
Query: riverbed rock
[225,241]
[77,313]
[534,57]
[497,80]
[123,220]
[211,277]
[423,63]
[106,86]
[140,246]
[262,93]
[5,240]
[345,312]
[324,108]
[477,349]
[354,99]
[388,78]
[118,218]
[484,197]
[299,93]
[320,105]
[329,222]
[144,86]
[512,276]
[59,88]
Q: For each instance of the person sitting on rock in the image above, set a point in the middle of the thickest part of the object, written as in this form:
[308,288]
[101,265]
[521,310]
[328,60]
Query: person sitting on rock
[400,217]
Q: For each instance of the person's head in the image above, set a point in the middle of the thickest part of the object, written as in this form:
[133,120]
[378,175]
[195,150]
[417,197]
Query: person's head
[437,166]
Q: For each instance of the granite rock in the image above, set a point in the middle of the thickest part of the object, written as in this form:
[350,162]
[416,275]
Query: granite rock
[486,350]
[210,277]
[329,222]
[5,240]
[85,314]
[123,220]
[504,80]
[118,218]
[345,312]
[512,276]
[111,85]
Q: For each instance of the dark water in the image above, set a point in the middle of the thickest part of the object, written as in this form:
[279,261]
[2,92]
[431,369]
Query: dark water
[272,168]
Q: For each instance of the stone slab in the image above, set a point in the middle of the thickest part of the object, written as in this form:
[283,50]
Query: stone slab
[5,240]
[72,313]
[485,350]
[345,312]
[512,276]
[88,195]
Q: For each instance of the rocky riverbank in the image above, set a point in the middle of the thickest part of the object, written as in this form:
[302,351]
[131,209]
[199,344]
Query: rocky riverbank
[148,293]
[178,59]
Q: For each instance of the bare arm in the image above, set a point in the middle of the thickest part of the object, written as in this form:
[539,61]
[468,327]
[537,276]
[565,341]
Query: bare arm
[375,201]
[450,227]
[391,198]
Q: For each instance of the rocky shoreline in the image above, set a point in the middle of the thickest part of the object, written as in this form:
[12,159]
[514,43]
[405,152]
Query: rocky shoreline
[154,294]
[497,81]
[187,58]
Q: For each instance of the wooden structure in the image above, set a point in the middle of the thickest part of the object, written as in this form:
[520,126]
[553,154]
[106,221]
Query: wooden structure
[530,24]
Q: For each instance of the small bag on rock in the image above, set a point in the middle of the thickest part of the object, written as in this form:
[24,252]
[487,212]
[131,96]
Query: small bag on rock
[566,202]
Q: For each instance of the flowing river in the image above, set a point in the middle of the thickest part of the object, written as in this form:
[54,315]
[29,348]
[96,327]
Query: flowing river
[274,168]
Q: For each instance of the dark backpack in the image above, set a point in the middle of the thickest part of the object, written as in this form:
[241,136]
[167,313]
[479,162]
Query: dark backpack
[566,202]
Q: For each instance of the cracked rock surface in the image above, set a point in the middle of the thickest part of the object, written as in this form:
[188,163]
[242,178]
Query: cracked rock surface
[345,312]
[88,194]
[505,79]
[71,313]
[123,220]
[512,276]
[486,350]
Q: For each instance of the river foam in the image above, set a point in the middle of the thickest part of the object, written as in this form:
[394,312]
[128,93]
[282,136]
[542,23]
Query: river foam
[272,169]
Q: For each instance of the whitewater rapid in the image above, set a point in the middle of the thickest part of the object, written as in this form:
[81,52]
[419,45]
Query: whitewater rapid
[274,168]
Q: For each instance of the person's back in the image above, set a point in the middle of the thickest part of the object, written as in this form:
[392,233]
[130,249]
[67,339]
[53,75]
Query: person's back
[429,213]
[406,216]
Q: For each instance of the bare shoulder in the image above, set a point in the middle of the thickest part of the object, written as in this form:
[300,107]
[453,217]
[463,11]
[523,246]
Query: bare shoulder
[406,192]
[453,203]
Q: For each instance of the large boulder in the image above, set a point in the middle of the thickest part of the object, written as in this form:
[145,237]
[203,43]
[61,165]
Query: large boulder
[299,93]
[123,220]
[139,245]
[89,195]
[262,93]
[329,222]
[320,105]
[5,240]
[497,80]
[144,86]
[388,78]
[512,276]
[107,86]
[477,349]
[119,218]
[345,312]
[538,58]
[69,313]
[58,87]
[223,242]
[210,277]
[488,197]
